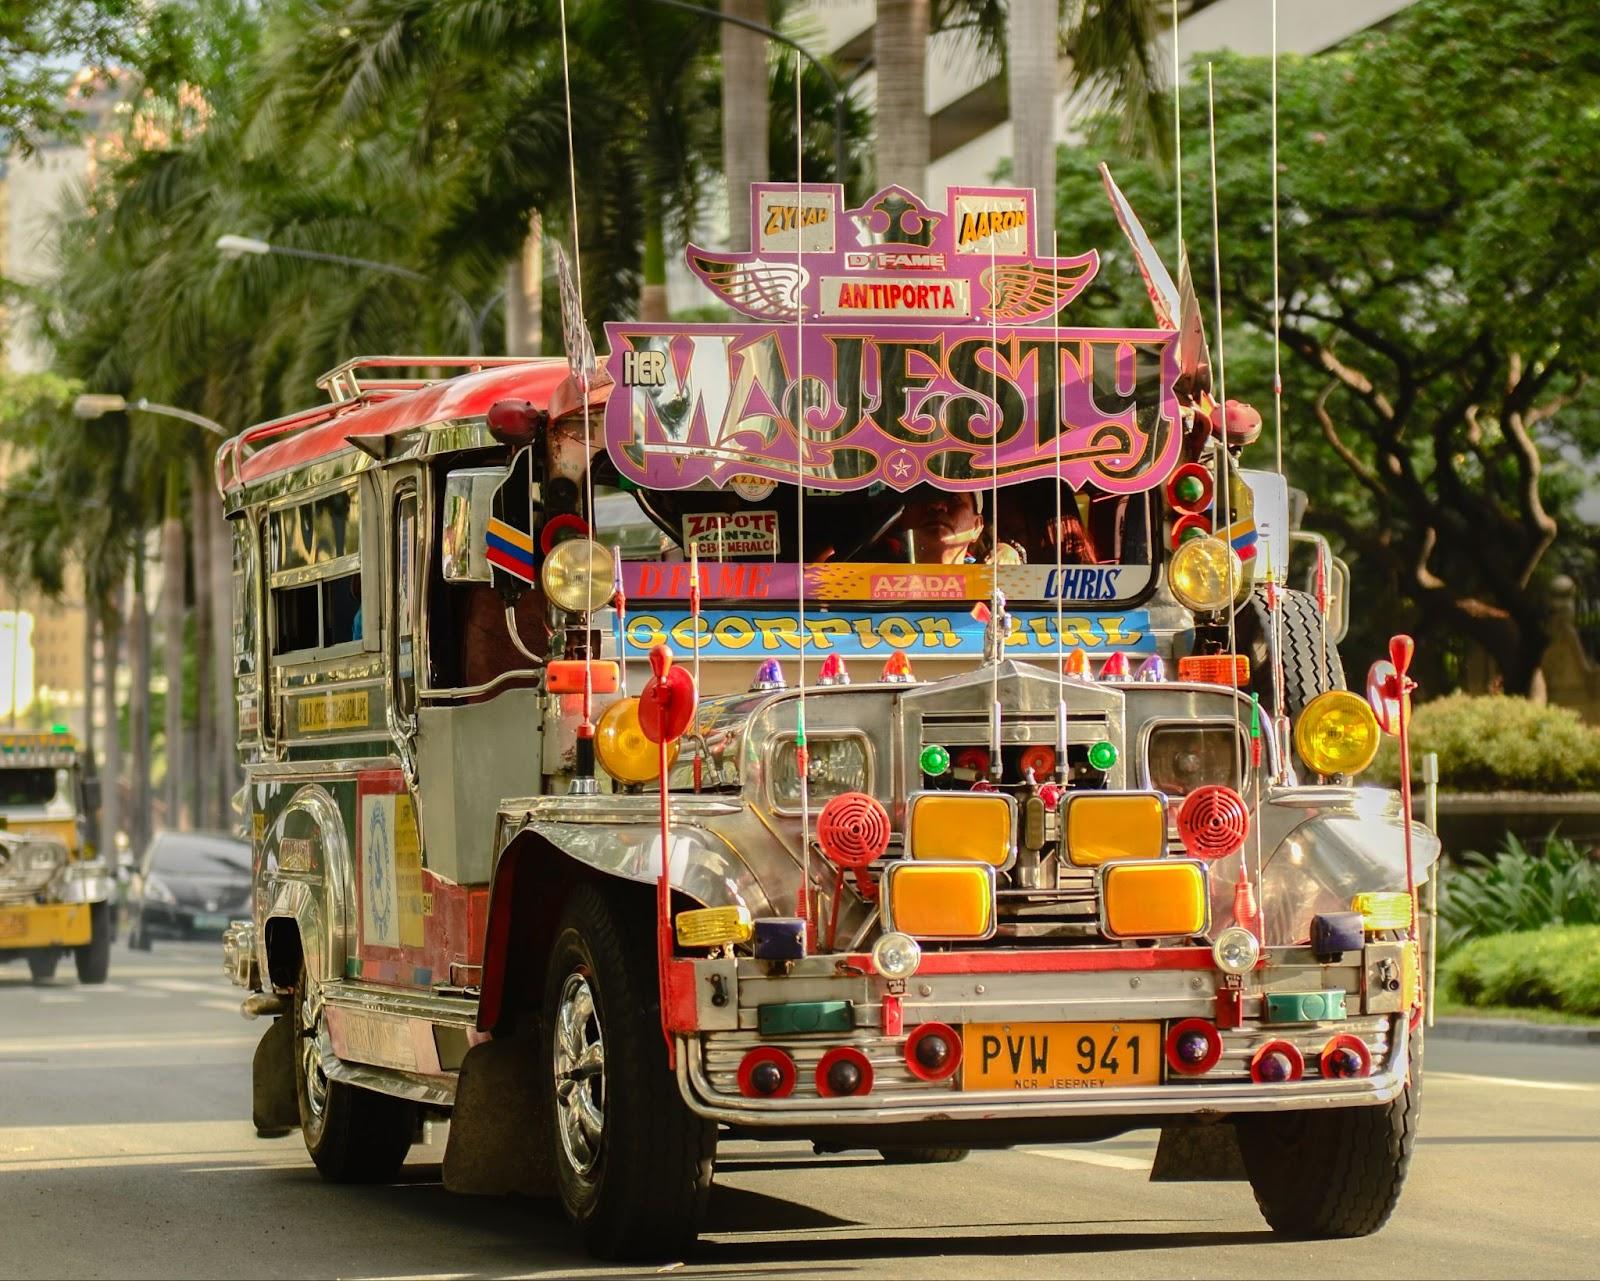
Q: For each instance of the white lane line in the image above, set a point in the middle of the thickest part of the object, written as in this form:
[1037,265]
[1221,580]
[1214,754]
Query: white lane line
[232,1007]
[62,998]
[1512,1080]
[113,988]
[145,994]
[185,985]
[1087,1156]
[75,1044]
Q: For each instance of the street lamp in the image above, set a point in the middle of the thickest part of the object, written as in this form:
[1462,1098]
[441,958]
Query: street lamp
[232,246]
[92,405]
[841,92]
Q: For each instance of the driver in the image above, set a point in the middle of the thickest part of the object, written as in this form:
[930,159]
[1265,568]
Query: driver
[935,527]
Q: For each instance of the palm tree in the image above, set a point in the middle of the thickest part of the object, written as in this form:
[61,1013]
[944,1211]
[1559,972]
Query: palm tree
[900,51]
[745,110]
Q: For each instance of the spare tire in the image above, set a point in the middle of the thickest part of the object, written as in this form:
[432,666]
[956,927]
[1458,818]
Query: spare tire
[1307,672]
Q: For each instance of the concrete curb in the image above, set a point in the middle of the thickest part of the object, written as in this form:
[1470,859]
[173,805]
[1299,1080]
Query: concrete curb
[1515,1030]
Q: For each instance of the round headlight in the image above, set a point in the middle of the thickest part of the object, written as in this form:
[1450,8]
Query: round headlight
[1337,733]
[1236,950]
[624,751]
[896,956]
[578,575]
[1206,575]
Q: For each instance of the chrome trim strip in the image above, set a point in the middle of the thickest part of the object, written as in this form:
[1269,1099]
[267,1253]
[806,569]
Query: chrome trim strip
[439,1091]
[375,998]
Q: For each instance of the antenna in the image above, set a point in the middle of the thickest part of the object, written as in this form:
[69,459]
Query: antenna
[802,757]
[1061,638]
[1280,720]
[996,600]
[1177,119]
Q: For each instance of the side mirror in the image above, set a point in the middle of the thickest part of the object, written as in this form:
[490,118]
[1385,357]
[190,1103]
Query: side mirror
[468,504]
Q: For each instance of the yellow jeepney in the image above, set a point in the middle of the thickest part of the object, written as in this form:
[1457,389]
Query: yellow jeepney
[55,890]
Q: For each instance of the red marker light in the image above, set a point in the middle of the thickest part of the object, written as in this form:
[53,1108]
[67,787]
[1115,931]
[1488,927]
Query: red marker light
[1115,668]
[833,671]
[897,670]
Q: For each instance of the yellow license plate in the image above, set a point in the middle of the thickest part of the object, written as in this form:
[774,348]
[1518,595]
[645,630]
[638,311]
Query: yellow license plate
[1051,1056]
[13,922]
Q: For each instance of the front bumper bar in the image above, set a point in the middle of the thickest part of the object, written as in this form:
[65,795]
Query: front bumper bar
[1186,1098]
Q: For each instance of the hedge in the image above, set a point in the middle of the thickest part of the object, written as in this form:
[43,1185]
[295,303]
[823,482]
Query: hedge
[1497,743]
[1557,968]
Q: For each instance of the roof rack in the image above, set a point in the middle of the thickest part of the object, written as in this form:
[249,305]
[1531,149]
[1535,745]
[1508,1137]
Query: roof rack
[342,382]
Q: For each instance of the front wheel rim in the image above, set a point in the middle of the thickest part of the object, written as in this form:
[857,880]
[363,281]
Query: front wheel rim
[580,1074]
[316,1080]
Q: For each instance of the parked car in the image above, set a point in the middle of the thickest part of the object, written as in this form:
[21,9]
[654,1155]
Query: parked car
[188,885]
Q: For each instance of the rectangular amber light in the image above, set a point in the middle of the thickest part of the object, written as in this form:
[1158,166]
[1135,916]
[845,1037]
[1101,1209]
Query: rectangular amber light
[1102,827]
[1389,910]
[713,926]
[940,900]
[975,826]
[1153,900]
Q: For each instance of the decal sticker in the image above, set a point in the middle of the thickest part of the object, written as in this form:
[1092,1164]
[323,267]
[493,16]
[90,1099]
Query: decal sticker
[380,916]
[847,580]
[790,222]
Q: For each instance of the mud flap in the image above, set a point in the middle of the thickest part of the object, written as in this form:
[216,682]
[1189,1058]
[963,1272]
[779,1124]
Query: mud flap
[500,1126]
[1198,1154]
[274,1106]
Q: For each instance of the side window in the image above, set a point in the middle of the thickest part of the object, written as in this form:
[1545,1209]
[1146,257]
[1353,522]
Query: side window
[406,588]
[314,573]
[244,600]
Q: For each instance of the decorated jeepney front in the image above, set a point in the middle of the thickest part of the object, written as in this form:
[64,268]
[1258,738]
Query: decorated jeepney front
[1004,812]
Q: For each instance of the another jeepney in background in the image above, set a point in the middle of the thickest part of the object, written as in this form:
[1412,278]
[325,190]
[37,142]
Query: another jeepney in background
[56,892]
[1013,796]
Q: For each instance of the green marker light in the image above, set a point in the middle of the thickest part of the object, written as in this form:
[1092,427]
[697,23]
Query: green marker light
[1189,489]
[934,760]
[1103,755]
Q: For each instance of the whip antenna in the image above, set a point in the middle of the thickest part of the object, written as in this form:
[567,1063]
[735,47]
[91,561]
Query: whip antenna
[997,622]
[1177,123]
[802,756]
[1061,638]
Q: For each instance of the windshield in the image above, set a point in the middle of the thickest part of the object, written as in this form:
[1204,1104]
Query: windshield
[23,787]
[201,856]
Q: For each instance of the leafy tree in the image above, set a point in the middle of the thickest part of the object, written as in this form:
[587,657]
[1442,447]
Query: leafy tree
[1440,306]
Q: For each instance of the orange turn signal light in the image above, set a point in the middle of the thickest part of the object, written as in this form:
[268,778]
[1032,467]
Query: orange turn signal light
[1215,669]
[565,676]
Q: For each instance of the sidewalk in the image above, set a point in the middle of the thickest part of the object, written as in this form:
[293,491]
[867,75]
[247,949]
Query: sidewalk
[1458,1028]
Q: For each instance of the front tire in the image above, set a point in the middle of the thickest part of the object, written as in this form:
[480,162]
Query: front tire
[1337,1172]
[353,1135]
[923,1156]
[633,1164]
[93,958]
[42,964]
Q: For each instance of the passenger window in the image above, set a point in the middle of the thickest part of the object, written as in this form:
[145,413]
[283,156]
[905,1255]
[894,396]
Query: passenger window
[341,609]
[314,573]
[297,618]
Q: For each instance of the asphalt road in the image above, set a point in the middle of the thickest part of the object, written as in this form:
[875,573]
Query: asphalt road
[126,1151]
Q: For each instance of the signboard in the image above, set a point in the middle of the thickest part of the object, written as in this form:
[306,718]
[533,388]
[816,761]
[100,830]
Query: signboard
[745,533]
[929,632]
[892,344]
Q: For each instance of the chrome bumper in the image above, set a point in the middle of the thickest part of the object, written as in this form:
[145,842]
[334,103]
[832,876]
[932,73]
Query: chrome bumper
[239,954]
[1184,1098]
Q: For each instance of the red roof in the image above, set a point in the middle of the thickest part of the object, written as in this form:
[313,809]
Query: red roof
[324,431]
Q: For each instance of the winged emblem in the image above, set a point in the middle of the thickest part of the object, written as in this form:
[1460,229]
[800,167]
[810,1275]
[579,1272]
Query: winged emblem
[1032,290]
[760,289]
[574,332]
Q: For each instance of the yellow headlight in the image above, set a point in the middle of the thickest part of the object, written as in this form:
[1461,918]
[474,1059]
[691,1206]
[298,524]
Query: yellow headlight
[1206,575]
[939,900]
[1388,910]
[625,753]
[713,926]
[577,575]
[1102,827]
[1153,900]
[1337,733]
[979,826]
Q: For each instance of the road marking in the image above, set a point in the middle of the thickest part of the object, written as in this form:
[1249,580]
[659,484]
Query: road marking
[61,998]
[1514,1081]
[232,1007]
[144,993]
[74,1044]
[1087,1156]
[184,985]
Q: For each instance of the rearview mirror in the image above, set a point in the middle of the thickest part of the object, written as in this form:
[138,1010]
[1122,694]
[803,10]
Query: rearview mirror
[468,503]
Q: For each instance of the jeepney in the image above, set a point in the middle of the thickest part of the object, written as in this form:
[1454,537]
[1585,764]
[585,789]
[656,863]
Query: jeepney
[56,892]
[1010,790]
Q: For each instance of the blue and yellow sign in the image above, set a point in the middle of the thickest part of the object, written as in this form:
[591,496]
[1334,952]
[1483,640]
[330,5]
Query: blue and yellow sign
[930,632]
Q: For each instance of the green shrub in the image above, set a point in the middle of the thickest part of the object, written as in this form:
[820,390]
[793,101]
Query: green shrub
[1556,969]
[1493,742]
[1518,891]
